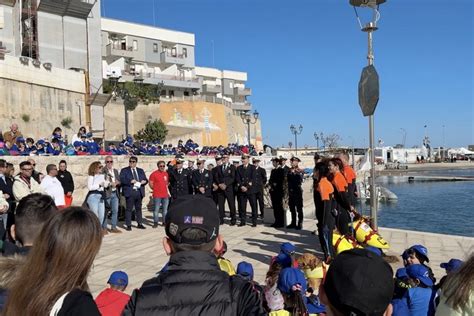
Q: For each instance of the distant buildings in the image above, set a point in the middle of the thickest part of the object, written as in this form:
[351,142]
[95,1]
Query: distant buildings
[56,56]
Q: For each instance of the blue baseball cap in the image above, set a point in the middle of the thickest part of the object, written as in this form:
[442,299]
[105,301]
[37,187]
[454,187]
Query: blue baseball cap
[452,265]
[401,274]
[284,260]
[421,250]
[420,272]
[20,140]
[287,248]
[40,142]
[118,278]
[245,269]
[289,277]
[89,135]
[77,143]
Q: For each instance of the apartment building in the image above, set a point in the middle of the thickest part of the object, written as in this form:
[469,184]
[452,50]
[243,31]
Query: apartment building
[225,85]
[158,55]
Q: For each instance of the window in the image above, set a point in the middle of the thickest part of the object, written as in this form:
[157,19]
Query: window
[123,44]
[171,93]
[185,52]
[173,52]
[186,93]
[155,47]
[163,93]
[135,45]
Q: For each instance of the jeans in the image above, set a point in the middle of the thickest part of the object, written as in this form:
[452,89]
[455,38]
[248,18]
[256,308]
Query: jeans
[160,202]
[97,206]
[113,202]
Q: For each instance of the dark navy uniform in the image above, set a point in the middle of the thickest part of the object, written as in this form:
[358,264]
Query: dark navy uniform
[295,196]
[260,182]
[202,178]
[245,177]
[226,179]
[180,183]
[215,187]
[277,178]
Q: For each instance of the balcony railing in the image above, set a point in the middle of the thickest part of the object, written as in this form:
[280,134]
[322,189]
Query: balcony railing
[110,50]
[205,98]
[170,58]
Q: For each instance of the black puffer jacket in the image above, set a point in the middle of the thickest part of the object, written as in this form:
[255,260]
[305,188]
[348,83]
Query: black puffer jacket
[194,285]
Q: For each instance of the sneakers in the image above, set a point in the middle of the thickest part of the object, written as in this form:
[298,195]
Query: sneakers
[115,231]
[140,226]
[155,225]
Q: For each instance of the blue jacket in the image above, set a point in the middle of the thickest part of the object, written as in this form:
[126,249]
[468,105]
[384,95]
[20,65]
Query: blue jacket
[417,301]
[126,178]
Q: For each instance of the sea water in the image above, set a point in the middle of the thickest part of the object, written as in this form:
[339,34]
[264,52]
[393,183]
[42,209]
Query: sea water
[445,207]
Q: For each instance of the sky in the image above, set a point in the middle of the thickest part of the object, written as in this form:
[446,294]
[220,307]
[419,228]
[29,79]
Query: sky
[304,59]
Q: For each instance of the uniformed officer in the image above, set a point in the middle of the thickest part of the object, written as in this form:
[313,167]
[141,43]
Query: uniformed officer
[202,179]
[276,193]
[215,184]
[245,178]
[261,180]
[286,169]
[225,181]
[295,193]
[180,180]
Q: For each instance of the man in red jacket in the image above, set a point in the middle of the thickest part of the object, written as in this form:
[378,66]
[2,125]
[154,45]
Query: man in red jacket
[112,301]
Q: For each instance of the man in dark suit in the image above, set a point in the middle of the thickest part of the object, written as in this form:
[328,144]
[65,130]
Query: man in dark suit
[259,184]
[245,178]
[133,181]
[225,180]
[180,180]
[216,190]
[202,179]
[6,186]
[277,177]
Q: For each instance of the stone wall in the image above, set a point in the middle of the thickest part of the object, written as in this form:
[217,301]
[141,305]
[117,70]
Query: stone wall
[232,130]
[46,96]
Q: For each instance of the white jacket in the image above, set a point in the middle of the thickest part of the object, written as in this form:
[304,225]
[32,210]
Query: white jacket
[3,203]
[21,188]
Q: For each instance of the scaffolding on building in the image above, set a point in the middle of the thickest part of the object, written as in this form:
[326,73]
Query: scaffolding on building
[29,29]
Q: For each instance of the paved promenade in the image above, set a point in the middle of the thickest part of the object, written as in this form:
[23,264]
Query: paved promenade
[140,252]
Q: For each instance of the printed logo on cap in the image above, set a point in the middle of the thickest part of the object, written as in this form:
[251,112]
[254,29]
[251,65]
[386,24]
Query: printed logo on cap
[173,229]
[188,219]
[197,220]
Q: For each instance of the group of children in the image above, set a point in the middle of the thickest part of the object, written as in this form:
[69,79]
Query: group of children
[416,291]
[292,284]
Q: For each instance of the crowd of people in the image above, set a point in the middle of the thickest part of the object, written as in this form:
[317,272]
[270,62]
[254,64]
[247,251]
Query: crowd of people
[13,143]
[51,246]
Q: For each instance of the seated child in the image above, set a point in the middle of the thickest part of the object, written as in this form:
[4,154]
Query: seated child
[112,301]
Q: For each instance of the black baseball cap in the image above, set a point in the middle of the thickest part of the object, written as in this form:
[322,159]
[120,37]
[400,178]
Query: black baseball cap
[359,282]
[193,211]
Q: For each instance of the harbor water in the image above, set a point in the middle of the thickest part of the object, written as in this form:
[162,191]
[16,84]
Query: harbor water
[444,207]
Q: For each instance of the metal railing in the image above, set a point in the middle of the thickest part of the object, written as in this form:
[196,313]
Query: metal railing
[205,98]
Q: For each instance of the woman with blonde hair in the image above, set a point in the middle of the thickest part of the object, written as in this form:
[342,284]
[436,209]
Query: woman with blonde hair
[53,280]
[457,292]
[97,184]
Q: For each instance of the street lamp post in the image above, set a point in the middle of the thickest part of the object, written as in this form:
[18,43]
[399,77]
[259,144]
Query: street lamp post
[316,136]
[296,131]
[369,92]
[249,118]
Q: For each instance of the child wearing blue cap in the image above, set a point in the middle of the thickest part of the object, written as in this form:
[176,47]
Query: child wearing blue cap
[292,284]
[112,300]
[418,299]
[418,254]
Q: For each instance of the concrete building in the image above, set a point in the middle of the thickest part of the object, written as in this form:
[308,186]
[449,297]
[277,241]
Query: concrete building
[58,38]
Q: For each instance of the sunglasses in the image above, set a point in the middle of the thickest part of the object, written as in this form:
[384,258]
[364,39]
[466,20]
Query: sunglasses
[109,161]
[161,166]
[33,164]
[132,161]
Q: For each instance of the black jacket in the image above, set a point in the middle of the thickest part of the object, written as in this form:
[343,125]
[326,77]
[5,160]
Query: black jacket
[66,180]
[277,177]
[246,177]
[180,183]
[195,285]
[261,179]
[79,303]
[204,180]
[226,175]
